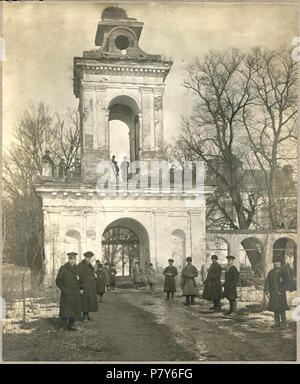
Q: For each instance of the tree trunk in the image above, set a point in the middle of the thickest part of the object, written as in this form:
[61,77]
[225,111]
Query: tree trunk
[254,255]
[23,296]
[23,286]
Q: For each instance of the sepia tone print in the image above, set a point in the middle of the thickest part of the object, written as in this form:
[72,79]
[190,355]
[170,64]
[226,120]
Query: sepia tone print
[149,182]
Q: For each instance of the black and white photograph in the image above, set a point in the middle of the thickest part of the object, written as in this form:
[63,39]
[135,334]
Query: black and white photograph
[149,182]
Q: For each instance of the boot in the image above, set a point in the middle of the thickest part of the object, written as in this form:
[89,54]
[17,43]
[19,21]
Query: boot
[230,308]
[193,300]
[277,321]
[168,295]
[214,306]
[70,325]
[283,320]
[217,306]
[172,295]
[233,306]
[85,316]
[187,301]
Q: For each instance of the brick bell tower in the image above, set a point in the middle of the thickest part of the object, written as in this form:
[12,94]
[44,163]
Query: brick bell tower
[119,81]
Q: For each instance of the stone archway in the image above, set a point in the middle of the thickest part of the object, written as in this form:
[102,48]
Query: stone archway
[125,109]
[219,246]
[286,249]
[129,240]
[250,254]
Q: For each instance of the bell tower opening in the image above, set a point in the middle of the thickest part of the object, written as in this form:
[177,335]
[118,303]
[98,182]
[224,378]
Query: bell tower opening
[123,112]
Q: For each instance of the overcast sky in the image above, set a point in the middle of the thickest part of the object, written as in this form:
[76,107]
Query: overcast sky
[42,39]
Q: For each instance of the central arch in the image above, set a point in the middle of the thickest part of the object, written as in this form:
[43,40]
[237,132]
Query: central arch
[124,109]
[125,241]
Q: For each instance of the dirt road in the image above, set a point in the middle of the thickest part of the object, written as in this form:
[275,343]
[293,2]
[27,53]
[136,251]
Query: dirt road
[136,326]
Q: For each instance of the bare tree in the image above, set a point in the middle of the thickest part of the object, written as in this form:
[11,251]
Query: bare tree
[67,135]
[231,90]
[270,123]
[38,131]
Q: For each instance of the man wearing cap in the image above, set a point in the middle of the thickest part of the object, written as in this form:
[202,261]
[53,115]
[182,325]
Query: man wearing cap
[275,287]
[112,276]
[137,275]
[212,285]
[88,277]
[69,283]
[230,284]
[188,283]
[107,275]
[100,281]
[169,286]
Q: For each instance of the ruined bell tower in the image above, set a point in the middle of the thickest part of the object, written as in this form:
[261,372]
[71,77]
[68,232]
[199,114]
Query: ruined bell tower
[119,81]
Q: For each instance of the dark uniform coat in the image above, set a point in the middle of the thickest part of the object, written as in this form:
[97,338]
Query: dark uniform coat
[112,275]
[188,283]
[276,282]
[70,300]
[170,273]
[212,284]
[230,284]
[107,275]
[100,282]
[87,276]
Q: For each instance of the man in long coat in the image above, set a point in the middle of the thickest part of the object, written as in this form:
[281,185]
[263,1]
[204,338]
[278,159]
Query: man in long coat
[137,275]
[230,284]
[170,273]
[112,276]
[100,281]
[69,283]
[88,277]
[107,276]
[276,284]
[212,285]
[151,277]
[188,283]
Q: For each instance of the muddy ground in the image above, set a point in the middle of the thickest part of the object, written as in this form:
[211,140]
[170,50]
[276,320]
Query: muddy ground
[133,325]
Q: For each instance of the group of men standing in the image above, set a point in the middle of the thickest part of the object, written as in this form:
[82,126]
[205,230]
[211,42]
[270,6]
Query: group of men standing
[277,282]
[212,285]
[80,285]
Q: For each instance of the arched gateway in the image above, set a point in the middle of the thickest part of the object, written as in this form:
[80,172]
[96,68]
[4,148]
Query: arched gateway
[123,242]
[119,82]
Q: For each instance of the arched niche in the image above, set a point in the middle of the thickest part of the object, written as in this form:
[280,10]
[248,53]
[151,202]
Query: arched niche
[178,247]
[72,242]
